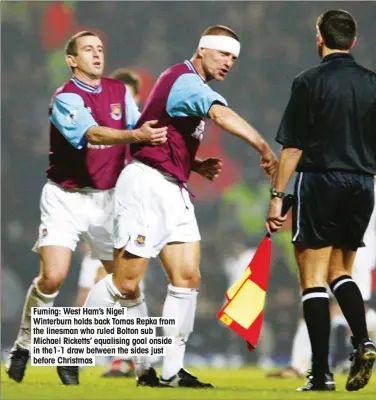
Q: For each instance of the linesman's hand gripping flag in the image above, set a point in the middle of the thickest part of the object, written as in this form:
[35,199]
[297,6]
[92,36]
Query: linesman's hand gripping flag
[244,311]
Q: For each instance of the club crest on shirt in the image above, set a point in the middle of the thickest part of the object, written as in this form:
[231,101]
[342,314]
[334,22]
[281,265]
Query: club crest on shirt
[44,232]
[116,111]
[140,241]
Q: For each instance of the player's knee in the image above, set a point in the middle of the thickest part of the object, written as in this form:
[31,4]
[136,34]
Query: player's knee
[49,284]
[128,288]
[188,279]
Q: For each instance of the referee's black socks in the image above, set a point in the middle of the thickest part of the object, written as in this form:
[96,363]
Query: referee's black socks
[316,314]
[351,302]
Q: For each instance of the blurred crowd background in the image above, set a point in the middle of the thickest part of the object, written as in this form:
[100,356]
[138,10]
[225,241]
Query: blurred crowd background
[278,41]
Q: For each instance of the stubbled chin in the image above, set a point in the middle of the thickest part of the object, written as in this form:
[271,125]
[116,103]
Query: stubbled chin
[97,73]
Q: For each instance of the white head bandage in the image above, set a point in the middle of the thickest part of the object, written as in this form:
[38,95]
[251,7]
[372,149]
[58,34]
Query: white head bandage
[221,43]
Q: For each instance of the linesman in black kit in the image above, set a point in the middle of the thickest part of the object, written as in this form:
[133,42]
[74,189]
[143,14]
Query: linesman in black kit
[328,134]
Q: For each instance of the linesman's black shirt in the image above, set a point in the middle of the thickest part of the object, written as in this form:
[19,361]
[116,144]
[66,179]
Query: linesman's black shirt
[331,116]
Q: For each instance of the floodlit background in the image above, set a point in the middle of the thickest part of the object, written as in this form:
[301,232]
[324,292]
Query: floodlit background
[278,41]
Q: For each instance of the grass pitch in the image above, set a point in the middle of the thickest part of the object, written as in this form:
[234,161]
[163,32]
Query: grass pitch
[42,383]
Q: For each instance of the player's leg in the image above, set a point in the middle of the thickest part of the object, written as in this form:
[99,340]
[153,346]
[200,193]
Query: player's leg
[136,365]
[313,266]
[54,265]
[131,257]
[181,262]
[312,252]
[126,366]
[91,272]
[359,209]
[123,286]
[350,299]
[362,276]
[122,366]
[58,237]
[320,220]
[128,272]
[365,262]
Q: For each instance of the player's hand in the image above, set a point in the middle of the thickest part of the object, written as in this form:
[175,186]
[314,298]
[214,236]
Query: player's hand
[150,135]
[274,219]
[269,163]
[209,168]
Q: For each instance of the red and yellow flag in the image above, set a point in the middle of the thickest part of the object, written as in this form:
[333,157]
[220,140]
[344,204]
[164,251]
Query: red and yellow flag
[244,311]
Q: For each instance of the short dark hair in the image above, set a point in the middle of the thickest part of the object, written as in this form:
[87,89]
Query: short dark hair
[220,30]
[338,29]
[128,77]
[71,45]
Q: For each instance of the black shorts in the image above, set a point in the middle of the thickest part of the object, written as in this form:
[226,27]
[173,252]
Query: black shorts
[332,209]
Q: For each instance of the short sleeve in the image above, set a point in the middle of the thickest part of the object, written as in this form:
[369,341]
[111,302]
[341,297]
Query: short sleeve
[132,112]
[72,119]
[191,96]
[292,131]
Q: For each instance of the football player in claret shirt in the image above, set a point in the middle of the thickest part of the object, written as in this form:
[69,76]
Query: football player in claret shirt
[92,119]
[154,214]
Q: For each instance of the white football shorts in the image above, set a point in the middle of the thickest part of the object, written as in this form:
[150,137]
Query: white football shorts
[151,210]
[68,214]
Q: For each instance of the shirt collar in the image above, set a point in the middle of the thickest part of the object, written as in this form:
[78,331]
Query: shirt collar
[189,64]
[335,56]
[85,86]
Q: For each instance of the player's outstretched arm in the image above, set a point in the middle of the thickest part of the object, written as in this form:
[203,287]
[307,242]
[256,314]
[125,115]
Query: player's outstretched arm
[237,126]
[145,134]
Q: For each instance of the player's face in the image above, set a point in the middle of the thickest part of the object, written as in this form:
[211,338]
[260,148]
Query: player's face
[90,57]
[217,64]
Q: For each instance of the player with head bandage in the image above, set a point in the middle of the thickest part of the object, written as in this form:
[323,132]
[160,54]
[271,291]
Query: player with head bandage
[154,214]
